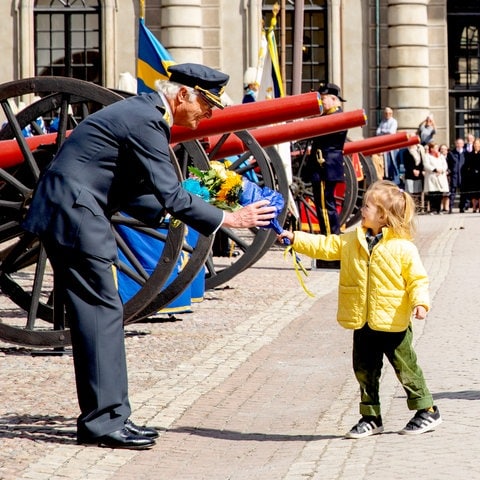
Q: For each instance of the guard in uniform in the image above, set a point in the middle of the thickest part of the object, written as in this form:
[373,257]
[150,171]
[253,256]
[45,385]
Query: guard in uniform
[118,159]
[324,168]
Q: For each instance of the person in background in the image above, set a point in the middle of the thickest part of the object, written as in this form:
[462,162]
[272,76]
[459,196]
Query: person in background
[469,139]
[36,127]
[445,202]
[435,177]
[389,125]
[471,175]
[250,85]
[118,159]
[413,164]
[426,130]
[455,162]
[324,166]
[383,286]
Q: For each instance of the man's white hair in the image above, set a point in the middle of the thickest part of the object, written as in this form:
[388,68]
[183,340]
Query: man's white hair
[170,89]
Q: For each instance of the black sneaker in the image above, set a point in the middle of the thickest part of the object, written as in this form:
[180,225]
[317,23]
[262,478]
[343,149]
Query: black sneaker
[422,422]
[365,427]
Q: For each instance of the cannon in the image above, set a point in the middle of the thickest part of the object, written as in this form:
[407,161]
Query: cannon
[221,121]
[281,109]
[268,136]
[28,288]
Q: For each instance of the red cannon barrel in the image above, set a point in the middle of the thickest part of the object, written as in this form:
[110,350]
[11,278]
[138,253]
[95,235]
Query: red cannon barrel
[251,115]
[413,140]
[231,119]
[288,132]
[10,153]
[381,143]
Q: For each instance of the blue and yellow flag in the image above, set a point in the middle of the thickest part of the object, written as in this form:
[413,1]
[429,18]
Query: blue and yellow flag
[276,73]
[271,84]
[153,60]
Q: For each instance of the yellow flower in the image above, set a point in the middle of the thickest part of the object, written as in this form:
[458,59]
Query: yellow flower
[229,190]
[224,186]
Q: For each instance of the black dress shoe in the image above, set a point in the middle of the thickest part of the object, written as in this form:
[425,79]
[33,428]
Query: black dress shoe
[122,438]
[142,431]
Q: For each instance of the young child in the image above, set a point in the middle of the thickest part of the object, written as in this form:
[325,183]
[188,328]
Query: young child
[382,285]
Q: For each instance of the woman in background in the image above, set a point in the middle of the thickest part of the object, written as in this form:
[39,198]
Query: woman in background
[435,173]
[445,203]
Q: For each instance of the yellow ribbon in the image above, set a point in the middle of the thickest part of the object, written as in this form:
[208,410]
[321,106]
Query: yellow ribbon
[299,269]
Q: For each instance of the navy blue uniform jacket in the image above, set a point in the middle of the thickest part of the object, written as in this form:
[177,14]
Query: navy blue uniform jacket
[331,146]
[115,159]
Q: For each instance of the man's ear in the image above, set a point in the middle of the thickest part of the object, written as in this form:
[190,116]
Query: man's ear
[183,95]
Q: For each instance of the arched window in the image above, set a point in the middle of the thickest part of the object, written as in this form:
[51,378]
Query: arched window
[68,39]
[464,64]
[314,49]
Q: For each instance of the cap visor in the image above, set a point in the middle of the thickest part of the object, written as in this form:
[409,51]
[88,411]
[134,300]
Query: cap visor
[212,100]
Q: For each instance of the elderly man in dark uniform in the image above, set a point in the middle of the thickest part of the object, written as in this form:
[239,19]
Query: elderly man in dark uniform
[118,159]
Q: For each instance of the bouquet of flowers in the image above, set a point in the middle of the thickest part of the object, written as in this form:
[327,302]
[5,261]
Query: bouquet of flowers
[228,190]
[217,185]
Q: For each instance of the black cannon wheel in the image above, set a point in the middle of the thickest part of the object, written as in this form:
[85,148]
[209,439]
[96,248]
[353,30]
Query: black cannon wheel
[27,285]
[345,195]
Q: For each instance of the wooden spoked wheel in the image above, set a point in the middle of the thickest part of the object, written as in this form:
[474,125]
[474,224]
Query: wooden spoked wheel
[31,310]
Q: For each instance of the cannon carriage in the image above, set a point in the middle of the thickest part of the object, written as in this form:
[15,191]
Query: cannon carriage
[31,308]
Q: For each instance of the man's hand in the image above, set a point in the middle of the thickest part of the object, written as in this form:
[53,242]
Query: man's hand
[256,214]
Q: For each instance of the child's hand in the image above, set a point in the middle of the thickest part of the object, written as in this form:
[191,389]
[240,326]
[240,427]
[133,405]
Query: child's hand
[285,234]
[419,312]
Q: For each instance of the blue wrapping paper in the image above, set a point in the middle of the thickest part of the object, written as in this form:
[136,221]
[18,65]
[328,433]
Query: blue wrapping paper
[251,193]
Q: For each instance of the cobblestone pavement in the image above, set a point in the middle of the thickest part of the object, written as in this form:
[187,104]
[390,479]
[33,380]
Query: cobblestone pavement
[256,383]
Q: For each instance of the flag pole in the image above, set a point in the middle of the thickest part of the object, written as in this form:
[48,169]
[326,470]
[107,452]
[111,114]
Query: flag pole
[283,43]
[297,47]
[142,9]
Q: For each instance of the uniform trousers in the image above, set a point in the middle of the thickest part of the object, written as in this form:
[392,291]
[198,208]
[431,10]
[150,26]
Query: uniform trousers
[326,206]
[95,317]
[369,347]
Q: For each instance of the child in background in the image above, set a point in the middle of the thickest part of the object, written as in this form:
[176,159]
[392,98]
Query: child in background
[382,285]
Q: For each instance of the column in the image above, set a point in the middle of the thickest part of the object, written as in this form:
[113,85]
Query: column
[182,29]
[408,61]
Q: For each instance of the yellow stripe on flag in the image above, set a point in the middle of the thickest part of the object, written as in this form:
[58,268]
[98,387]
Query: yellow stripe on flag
[148,74]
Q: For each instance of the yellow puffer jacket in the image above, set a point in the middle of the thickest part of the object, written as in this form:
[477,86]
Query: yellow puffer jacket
[380,288]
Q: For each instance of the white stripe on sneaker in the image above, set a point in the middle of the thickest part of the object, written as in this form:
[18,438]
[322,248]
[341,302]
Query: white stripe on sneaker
[422,422]
[365,428]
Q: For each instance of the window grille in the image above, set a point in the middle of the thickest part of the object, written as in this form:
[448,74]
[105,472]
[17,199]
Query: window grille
[68,39]
[314,48]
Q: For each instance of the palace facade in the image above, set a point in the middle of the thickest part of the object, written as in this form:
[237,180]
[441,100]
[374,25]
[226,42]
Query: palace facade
[416,56]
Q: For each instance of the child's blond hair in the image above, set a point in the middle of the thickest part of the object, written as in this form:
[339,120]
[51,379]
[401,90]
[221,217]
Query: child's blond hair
[395,205]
